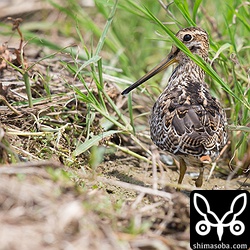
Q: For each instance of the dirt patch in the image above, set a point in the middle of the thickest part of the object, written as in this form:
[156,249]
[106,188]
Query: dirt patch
[115,208]
[43,210]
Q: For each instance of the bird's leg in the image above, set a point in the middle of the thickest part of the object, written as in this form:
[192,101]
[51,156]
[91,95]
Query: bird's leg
[183,169]
[199,180]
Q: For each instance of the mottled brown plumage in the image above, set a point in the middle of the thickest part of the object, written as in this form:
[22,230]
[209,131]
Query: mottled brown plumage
[186,121]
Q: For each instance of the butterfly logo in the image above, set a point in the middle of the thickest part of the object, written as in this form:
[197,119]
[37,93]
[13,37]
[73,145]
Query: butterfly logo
[203,227]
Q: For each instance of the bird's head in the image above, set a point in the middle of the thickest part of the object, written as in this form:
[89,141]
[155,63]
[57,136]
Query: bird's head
[195,39]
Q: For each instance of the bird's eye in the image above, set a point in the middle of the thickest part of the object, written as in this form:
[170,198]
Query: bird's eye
[187,37]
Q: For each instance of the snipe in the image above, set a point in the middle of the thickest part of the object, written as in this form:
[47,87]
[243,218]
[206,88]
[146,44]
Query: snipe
[186,121]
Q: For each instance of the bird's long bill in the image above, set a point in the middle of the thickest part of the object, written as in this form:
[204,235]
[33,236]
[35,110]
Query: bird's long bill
[163,65]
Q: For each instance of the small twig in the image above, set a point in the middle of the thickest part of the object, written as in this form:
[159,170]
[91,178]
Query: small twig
[244,182]
[136,188]
[24,152]
[211,170]
[24,167]
[127,151]
[2,98]
[163,5]
[154,167]
[10,131]
[166,8]
[214,163]
[137,200]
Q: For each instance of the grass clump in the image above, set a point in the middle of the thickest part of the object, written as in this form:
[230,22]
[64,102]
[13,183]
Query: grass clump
[227,69]
[113,48]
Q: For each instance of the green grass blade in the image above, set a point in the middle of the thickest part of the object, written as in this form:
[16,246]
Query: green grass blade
[195,9]
[130,108]
[105,30]
[92,60]
[239,128]
[93,141]
[28,88]
[182,5]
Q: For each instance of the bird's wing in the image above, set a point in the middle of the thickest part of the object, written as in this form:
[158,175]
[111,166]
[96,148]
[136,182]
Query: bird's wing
[195,127]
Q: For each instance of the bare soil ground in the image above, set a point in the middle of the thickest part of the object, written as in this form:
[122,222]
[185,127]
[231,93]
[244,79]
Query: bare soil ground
[59,208]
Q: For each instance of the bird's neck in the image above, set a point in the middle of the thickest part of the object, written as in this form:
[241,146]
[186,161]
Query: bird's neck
[187,71]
